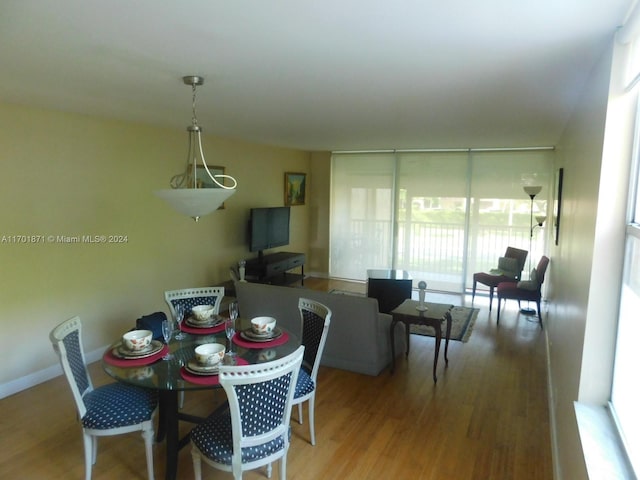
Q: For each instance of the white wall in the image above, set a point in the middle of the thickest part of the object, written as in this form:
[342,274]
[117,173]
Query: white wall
[65,174]
[586,265]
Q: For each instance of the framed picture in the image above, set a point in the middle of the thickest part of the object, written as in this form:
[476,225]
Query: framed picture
[558,203]
[204,181]
[295,186]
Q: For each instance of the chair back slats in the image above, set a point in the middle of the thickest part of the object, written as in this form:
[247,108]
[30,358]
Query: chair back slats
[260,399]
[67,343]
[190,297]
[316,319]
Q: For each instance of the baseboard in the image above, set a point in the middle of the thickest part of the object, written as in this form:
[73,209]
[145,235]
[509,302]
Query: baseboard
[23,383]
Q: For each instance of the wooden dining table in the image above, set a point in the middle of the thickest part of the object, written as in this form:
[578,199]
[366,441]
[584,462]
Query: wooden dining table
[170,377]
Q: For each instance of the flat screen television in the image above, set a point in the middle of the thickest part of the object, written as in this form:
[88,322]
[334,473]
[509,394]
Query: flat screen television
[268,228]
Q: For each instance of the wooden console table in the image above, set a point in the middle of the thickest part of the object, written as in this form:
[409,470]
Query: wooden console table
[435,314]
[273,268]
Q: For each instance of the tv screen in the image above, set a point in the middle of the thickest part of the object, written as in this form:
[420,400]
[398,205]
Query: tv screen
[268,228]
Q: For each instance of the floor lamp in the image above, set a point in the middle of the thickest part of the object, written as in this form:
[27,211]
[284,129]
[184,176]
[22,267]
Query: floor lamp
[532,191]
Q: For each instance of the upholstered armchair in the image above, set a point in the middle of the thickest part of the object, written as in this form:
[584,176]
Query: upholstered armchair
[509,269]
[528,290]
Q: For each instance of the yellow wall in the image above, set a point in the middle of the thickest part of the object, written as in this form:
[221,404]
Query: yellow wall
[72,175]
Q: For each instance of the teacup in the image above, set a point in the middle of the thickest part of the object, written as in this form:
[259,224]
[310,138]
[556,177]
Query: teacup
[209,354]
[137,340]
[263,325]
[202,313]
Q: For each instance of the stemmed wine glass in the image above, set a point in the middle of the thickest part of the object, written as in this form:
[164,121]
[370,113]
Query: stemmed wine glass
[179,312]
[167,331]
[230,326]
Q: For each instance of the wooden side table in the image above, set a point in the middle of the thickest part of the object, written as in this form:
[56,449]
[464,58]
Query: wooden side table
[435,314]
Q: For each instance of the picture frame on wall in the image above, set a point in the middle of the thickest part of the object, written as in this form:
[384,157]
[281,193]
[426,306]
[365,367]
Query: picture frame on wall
[204,181]
[295,187]
[558,204]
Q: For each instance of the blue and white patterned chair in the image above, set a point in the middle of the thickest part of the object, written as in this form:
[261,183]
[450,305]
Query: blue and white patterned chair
[315,318]
[110,409]
[254,430]
[190,297]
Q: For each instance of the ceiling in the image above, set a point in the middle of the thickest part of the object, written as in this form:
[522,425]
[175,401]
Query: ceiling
[330,75]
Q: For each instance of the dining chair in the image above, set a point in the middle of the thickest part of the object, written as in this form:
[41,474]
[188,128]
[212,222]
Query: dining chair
[254,430]
[529,290]
[315,318]
[190,297]
[509,269]
[111,409]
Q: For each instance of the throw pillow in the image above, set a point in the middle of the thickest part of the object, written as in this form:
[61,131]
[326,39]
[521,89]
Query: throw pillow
[509,266]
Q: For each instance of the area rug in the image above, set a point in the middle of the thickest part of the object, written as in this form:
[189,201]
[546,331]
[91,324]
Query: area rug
[462,321]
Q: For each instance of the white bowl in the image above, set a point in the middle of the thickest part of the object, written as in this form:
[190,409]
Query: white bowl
[263,325]
[209,353]
[137,340]
[202,312]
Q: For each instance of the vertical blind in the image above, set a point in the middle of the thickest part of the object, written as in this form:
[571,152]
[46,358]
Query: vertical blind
[440,215]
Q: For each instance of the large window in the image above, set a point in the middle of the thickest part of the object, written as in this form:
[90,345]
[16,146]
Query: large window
[440,215]
[625,395]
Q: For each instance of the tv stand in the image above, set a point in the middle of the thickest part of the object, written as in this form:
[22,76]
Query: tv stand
[272,268]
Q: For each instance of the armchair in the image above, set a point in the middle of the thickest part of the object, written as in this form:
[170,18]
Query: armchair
[509,269]
[530,290]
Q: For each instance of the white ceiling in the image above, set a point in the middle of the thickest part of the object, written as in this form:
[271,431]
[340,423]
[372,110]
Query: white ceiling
[325,75]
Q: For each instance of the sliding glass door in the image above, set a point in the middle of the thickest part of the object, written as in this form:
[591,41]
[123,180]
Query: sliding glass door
[440,215]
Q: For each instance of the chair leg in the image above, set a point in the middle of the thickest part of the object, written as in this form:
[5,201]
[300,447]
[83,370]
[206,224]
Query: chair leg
[89,457]
[539,314]
[490,297]
[269,470]
[499,307]
[312,423]
[473,292]
[147,434]
[181,401]
[283,467]
[300,413]
[197,464]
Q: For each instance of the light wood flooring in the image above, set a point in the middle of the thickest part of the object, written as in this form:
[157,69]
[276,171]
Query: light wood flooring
[487,417]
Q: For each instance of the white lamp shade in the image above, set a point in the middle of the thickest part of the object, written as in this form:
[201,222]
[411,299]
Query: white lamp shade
[532,190]
[195,202]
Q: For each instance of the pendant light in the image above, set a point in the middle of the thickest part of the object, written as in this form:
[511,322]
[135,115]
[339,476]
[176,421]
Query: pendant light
[187,194]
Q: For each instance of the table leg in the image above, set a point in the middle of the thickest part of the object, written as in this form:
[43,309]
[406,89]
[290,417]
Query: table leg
[393,344]
[407,331]
[438,330]
[448,319]
[169,427]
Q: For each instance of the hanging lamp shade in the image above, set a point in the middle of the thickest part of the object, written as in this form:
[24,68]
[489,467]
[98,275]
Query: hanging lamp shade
[190,195]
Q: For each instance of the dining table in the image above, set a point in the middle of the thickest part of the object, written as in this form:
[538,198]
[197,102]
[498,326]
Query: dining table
[179,374]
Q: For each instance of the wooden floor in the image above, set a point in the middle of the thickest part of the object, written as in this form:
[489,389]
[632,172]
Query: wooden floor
[487,417]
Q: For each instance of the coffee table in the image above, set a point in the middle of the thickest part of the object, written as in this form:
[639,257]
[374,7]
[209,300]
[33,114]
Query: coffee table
[433,316]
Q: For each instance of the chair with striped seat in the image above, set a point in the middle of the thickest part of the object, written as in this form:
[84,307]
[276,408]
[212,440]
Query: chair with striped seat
[254,430]
[111,409]
[315,318]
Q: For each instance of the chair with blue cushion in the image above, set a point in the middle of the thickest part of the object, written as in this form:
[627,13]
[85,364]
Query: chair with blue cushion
[315,318]
[254,430]
[190,297]
[110,409]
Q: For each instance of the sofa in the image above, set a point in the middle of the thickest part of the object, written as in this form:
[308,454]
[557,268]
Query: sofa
[358,338]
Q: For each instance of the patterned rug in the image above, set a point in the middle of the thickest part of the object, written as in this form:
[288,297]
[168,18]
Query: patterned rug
[462,321]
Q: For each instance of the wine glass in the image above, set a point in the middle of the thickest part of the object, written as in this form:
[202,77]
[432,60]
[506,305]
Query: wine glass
[179,312]
[230,326]
[167,331]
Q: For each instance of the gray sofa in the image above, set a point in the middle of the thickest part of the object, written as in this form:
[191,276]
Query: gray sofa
[358,338]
